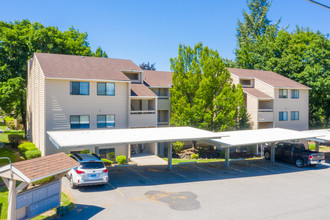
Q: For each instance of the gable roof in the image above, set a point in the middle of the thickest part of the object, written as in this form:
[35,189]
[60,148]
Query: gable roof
[256,93]
[141,90]
[157,78]
[269,77]
[42,167]
[82,67]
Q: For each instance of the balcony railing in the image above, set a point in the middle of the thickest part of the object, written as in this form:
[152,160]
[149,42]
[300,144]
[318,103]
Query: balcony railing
[162,123]
[265,110]
[142,112]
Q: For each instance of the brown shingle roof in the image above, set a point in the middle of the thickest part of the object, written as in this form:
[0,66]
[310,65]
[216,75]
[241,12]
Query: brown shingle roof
[157,78]
[141,90]
[268,77]
[256,93]
[45,166]
[79,67]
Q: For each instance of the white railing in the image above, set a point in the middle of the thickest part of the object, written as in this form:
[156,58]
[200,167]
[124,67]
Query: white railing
[265,110]
[162,123]
[162,97]
[141,112]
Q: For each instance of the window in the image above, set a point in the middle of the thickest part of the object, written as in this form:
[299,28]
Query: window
[295,94]
[106,89]
[283,116]
[106,121]
[79,88]
[79,121]
[294,115]
[108,153]
[283,94]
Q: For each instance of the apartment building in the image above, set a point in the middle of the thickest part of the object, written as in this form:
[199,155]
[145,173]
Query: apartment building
[272,100]
[68,92]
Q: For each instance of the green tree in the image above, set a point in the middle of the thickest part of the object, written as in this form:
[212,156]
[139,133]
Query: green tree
[147,66]
[254,25]
[303,56]
[100,53]
[19,40]
[202,94]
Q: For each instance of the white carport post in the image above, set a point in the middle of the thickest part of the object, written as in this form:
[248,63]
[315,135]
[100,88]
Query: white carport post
[227,152]
[169,155]
[11,199]
[129,151]
[317,146]
[97,151]
[272,152]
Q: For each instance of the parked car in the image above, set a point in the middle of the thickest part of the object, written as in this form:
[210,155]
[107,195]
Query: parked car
[91,171]
[296,153]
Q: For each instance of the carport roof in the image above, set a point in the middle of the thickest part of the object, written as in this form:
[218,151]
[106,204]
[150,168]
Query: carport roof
[128,136]
[322,135]
[247,137]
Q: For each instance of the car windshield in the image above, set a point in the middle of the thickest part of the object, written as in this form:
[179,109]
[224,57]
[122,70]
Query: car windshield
[92,165]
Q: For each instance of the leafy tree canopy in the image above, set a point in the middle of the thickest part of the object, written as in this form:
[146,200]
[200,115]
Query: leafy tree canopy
[100,53]
[148,66]
[202,94]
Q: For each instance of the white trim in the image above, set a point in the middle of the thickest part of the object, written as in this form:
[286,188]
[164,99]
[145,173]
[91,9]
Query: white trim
[131,71]
[5,180]
[160,87]
[21,186]
[54,143]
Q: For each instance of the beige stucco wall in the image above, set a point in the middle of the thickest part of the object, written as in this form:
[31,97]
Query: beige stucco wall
[289,105]
[36,106]
[252,109]
[265,88]
[60,105]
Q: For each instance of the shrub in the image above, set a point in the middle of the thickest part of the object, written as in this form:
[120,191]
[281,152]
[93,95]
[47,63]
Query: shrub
[106,161]
[84,152]
[15,139]
[111,155]
[194,156]
[26,146]
[121,159]
[8,119]
[222,154]
[69,155]
[31,154]
[177,147]
[311,147]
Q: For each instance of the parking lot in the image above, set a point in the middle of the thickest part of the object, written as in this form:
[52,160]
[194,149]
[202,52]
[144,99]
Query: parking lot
[253,189]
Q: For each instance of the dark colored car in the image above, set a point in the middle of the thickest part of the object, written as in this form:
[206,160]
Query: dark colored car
[296,153]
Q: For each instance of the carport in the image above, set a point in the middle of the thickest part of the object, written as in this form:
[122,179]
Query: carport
[259,136]
[78,138]
[321,136]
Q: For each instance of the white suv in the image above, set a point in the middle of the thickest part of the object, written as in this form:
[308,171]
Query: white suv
[91,171]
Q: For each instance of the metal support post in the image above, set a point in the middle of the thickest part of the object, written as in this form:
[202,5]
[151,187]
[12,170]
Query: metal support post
[272,153]
[317,146]
[170,155]
[227,152]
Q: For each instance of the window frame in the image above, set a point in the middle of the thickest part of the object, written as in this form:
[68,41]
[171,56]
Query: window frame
[293,113]
[280,94]
[293,93]
[89,122]
[114,121]
[106,91]
[71,88]
[282,118]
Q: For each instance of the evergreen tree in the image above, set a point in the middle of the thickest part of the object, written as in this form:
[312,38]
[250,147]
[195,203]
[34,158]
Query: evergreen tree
[202,93]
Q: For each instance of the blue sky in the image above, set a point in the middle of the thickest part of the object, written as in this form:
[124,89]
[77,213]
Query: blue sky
[147,30]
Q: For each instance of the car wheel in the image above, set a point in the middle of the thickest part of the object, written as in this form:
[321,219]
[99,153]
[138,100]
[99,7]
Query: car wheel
[72,184]
[267,155]
[300,162]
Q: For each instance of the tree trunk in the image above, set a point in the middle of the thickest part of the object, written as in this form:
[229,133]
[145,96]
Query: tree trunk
[194,144]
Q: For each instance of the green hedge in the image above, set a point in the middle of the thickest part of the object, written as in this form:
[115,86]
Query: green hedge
[29,150]
[106,161]
[8,119]
[121,159]
[194,156]
[177,147]
[31,154]
[15,139]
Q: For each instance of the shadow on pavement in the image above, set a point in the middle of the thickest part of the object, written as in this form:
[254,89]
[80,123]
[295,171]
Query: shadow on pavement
[87,211]
[157,175]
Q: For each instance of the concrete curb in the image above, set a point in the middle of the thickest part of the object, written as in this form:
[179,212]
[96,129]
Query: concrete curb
[125,165]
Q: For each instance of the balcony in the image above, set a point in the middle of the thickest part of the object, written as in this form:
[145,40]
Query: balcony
[265,115]
[143,118]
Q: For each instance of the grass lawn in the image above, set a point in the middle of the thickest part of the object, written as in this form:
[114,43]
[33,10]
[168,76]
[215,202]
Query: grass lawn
[4,136]
[3,126]
[177,161]
[5,152]
[65,201]
[322,147]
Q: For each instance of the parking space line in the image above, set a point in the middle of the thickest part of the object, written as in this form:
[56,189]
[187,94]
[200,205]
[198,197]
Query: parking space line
[139,174]
[205,170]
[117,190]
